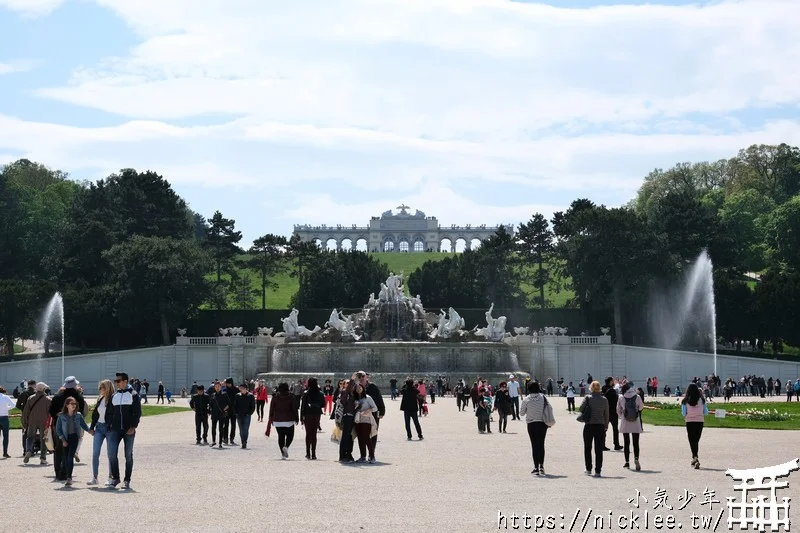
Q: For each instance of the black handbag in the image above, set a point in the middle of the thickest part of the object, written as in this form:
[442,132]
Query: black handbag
[586,412]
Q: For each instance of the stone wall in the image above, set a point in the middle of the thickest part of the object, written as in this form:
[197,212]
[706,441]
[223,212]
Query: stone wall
[569,357]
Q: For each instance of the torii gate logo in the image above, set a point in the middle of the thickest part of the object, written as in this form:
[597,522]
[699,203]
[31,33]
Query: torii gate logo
[756,512]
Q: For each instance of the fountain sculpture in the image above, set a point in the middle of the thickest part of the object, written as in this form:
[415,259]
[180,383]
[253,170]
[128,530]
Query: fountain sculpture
[392,336]
[56,305]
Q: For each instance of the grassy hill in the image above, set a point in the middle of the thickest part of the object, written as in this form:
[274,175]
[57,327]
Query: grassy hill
[406,263]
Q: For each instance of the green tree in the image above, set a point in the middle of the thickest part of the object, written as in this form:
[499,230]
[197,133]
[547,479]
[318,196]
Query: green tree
[267,258]
[222,241]
[340,279]
[536,246]
[772,170]
[777,304]
[744,218]
[499,267]
[157,277]
[302,254]
[783,230]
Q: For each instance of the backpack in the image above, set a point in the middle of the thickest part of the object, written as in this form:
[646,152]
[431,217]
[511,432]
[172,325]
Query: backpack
[631,411]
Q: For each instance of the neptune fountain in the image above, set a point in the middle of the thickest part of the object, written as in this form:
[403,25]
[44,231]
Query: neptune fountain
[392,336]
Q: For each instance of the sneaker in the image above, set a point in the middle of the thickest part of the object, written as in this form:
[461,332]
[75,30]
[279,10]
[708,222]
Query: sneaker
[694,460]
[697,465]
[308,456]
[636,463]
[409,438]
[198,441]
[313,457]
[220,445]
[27,457]
[68,482]
[588,472]
[233,443]
[626,465]
[535,471]
[77,459]
[5,455]
[361,460]
[597,474]
[285,452]
[92,481]
[42,461]
[420,437]
[541,470]
[618,448]
[371,460]
[112,483]
[205,441]
[244,445]
[213,444]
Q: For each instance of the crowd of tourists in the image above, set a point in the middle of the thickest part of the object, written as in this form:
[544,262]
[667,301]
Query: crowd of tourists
[57,424]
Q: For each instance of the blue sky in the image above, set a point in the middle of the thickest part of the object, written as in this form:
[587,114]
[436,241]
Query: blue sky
[474,111]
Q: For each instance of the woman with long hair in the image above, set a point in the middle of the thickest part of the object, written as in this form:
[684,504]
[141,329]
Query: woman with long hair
[261,393]
[532,409]
[283,416]
[311,405]
[364,423]
[694,409]
[68,425]
[105,391]
[629,409]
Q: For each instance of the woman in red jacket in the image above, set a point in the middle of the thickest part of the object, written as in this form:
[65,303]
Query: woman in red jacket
[260,393]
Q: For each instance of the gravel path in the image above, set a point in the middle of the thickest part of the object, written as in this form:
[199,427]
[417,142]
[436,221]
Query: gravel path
[454,480]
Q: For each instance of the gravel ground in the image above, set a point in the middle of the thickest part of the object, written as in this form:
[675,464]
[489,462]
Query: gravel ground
[455,480]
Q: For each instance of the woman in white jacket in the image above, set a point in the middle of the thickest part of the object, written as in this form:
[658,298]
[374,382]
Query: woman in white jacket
[532,409]
[630,424]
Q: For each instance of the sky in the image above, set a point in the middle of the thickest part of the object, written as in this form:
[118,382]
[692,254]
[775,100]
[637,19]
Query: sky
[330,112]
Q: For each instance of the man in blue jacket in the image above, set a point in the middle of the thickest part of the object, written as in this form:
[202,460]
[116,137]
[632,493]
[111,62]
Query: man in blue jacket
[122,420]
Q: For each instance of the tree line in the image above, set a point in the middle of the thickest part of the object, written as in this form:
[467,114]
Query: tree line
[133,260]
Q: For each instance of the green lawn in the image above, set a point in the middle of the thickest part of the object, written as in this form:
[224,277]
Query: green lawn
[279,297]
[661,414]
[147,410]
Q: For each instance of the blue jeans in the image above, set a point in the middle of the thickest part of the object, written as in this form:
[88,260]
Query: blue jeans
[114,437]
[4,428]
[100,434]
[69,457]
[244,427]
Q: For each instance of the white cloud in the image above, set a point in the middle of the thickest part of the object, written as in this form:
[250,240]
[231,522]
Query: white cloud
[440,103]
[20,65]
[31,7]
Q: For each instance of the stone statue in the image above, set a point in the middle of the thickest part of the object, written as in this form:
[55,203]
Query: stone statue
[224,331]
[265,332]
[372,301]
[449,324]
[236,332]
[181,332]
[419,214]
[383,295]
[415,304]
[293,329]
[521,331]
[495,329]
[335,321]
[604,331]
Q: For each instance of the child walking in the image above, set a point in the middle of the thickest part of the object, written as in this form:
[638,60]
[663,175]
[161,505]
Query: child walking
[68,427]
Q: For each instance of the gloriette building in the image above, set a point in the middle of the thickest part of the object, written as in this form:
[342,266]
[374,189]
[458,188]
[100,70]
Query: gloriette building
[399,231]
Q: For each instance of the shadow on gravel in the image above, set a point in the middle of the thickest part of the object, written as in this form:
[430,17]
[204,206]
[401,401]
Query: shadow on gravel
[547,476]
[646,471]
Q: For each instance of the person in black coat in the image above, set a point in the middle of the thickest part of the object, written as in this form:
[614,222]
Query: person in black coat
[374,392]
[408,404]
[220,407]
[201,405]
[244,405]
[69,390]
[611,395]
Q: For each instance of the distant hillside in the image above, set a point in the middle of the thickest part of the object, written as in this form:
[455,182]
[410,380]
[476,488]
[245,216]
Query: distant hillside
[406,263]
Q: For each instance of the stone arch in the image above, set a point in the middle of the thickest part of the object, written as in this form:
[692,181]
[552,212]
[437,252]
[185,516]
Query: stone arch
[403,243]
[331,244]
[346,243]
[446,245]
[361,244]
[388,244]
[317,241]
[418,243]
[474,243]
[460,244]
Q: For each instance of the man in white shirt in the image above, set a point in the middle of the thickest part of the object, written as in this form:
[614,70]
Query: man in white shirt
[513,393]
